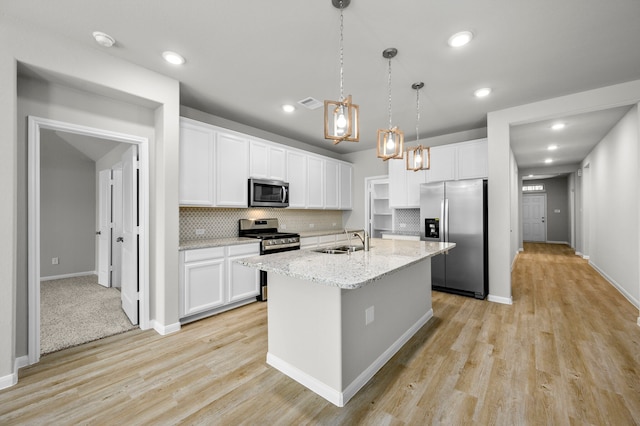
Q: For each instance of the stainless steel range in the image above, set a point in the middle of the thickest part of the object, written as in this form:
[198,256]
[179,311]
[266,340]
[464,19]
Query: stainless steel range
[272,241]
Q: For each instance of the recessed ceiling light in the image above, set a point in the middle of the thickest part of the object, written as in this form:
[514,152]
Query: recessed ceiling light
[530,175]
[288,108]
[558,126]
[481,93]
[173,58]
[104,40]
[548,161]
[552,147]
[460,39]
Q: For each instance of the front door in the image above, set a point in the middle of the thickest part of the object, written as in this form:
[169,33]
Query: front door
[534,227]
[129,239]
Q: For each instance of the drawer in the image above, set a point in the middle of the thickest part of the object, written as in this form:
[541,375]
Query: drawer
[202,254]
[252,249]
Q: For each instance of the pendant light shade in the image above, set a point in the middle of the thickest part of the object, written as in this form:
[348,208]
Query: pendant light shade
[419,157]
[341,117]
[391,140]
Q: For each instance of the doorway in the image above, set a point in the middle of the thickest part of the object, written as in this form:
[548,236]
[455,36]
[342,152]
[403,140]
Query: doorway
[534,226]
[135,176]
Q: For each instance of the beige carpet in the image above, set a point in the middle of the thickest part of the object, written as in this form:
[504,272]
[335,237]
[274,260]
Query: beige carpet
[78,310]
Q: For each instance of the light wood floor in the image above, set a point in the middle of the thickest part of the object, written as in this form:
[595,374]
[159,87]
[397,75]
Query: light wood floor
[566,352]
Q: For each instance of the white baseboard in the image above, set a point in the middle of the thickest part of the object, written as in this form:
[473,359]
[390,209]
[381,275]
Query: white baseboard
[638,321]
[8,381]
[21,361]
[558,242]
[585,256]
[513,262]
[75,274]
[500,299]
[337,397]
[520,249]
[618,287]
[165,329]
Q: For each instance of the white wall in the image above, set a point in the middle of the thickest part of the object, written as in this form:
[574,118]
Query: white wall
[100,72]
[613,206]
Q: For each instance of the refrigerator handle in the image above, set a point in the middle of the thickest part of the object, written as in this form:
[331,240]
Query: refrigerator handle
[442,222]
[446,220]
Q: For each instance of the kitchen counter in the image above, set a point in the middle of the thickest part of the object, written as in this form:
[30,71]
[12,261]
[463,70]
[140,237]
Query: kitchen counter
[334,320]
[214,242]
[348,271]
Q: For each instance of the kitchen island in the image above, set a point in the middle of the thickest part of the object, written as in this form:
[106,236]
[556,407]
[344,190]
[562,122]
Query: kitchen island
[335,319]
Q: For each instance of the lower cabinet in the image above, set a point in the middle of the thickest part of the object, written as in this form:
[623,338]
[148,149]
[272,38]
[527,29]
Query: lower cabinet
[210,281]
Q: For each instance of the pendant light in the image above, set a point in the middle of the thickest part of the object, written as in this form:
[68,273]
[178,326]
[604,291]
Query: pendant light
[341,117]
[390,140]
[418,158]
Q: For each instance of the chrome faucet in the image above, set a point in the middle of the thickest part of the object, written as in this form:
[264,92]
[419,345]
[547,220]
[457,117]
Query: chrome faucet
[364,238]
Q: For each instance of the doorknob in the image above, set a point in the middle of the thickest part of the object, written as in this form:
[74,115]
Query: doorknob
[98,233]
[120,240]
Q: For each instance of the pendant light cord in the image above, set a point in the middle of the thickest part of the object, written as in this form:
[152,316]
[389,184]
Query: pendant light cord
[417,115]
[389,83]
[341,52]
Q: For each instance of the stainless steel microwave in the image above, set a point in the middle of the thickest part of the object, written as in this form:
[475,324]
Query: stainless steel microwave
[268,193]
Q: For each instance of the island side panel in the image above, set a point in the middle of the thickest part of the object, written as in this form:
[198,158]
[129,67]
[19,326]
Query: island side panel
[304,333]
[401,304]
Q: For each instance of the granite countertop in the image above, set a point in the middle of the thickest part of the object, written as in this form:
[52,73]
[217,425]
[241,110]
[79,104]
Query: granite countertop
[215,242]
[348,271]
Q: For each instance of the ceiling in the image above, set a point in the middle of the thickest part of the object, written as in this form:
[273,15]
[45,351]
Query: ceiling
[245,59]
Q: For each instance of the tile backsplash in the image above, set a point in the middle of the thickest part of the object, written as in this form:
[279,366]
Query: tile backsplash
[407,220]
[203,223]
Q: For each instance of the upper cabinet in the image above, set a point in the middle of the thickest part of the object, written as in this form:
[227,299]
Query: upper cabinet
[231,170]
[215,164]
[465,160]
[196,164]
[267,161]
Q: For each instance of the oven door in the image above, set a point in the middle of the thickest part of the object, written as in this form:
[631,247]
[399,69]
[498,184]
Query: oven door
[268,193]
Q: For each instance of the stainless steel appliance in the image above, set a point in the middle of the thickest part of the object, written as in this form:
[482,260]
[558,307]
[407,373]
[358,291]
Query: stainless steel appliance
[456,211]
[268,193]
[272,241]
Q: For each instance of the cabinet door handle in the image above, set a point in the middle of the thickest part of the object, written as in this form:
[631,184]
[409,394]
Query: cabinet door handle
[120,240]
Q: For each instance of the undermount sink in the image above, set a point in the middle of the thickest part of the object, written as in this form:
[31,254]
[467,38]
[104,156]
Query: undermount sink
[339,249]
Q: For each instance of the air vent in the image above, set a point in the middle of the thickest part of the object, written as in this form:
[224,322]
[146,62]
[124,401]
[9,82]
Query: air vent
[310,103]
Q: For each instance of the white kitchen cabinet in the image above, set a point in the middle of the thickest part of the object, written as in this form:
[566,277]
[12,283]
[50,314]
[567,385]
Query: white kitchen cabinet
[203,278]
[308,242]
[196,186]
[242,282]
[443,163]
[267,161]
[404,185]
[210,282]
[473,159]
[214,166]
[297,178]
[345,186]
[315,182]
[231,170]
[331,184]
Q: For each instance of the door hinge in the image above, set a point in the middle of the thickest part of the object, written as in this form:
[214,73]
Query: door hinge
[136,164]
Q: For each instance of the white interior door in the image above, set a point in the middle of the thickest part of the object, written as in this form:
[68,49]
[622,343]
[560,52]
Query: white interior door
[116,230]
[534,227]
[104,227]
[129,239]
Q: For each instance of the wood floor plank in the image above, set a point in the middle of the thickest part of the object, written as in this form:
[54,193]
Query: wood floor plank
[566,352]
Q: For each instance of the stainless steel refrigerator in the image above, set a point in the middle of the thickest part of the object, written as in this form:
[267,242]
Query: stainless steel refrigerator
[456,211]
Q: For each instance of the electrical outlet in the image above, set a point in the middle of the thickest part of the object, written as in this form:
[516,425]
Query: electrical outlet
[312,225]
[55,261]
[283,226]
[199,231]
[333,224]
[368,315]
[403,225]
